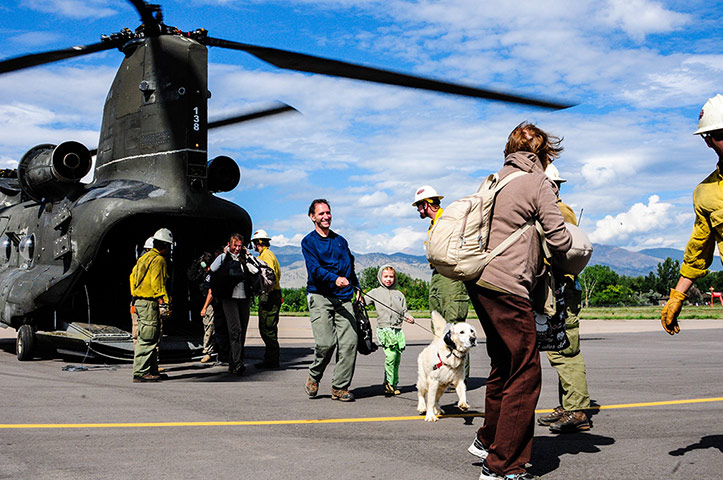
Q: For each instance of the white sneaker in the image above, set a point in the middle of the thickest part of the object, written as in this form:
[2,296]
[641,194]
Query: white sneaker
[477,449]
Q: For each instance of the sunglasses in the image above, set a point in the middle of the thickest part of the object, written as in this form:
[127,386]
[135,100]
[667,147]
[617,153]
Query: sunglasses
[716,135]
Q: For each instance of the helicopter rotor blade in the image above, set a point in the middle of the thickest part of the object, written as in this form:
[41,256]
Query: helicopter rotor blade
[283,108]
[35,59]
[309,63]
[144,10]
[151,16]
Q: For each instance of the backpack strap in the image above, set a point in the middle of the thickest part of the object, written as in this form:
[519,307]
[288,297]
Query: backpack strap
[509,241]
[543,240]
[499,184]
[518,233]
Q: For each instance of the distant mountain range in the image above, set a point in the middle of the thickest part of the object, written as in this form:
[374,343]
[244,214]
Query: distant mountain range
[620,260]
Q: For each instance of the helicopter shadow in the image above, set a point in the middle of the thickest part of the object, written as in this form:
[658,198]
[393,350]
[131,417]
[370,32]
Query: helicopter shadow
[291,359]
[7,345]
[709,441]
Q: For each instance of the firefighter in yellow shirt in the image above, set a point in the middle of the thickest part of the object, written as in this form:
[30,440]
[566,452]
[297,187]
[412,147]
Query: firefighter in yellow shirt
[708,226]
[152,305]
[269,303]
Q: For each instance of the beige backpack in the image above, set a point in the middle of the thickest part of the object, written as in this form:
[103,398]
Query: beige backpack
[457,242]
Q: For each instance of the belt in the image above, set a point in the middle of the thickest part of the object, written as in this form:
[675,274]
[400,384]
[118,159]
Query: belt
[150,299]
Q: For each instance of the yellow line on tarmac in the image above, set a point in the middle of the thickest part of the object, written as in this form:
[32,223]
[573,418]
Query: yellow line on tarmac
[8,426]
[647,404]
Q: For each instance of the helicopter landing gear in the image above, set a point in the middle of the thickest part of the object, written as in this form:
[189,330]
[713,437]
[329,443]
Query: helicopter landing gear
[26,342]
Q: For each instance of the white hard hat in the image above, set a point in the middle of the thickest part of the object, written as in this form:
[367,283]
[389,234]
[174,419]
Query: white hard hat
[163,235]
[554,174]
[149,243]
[260,234]
[424,192]
[711,116]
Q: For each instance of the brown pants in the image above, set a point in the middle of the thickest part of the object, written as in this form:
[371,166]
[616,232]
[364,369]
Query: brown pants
[513,385]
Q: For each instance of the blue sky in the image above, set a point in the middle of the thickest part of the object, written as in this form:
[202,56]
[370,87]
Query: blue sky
[639,70]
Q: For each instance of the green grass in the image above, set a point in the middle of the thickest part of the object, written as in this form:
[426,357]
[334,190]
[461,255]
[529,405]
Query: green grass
[598,313]
[649,312]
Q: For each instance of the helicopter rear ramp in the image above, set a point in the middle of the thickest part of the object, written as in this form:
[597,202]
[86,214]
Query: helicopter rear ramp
[107,341]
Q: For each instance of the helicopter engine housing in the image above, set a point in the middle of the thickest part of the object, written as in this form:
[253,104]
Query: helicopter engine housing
[49,172]
[223,174]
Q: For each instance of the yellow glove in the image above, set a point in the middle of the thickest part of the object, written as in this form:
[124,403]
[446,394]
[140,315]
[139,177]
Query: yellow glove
[671,310]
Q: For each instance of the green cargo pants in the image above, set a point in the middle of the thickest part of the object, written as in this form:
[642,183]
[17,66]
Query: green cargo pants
[269,306]
[334,327]
[448,297]
[145,356]
[569,363]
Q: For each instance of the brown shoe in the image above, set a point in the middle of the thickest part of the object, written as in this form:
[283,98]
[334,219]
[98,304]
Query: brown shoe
[550,418]
[148,377]
[206,358]
[342,394]
[571,422]
[311,387]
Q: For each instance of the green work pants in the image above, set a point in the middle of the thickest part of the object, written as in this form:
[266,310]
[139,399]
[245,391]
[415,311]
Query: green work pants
[269,306]
[449,297]
[569,363]
[145,355]
[334,327]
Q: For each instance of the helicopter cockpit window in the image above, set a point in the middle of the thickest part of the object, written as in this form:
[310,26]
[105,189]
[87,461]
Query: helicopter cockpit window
[27,247]
[6,247]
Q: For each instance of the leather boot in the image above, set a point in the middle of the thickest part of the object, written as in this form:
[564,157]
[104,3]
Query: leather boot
[550,418]
[571,422]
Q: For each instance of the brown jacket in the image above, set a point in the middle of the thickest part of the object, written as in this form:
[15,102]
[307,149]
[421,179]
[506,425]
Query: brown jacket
[516,269]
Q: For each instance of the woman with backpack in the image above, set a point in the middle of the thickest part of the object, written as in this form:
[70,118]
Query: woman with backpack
[502,299]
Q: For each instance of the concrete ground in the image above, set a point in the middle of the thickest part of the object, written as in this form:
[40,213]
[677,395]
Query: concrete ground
[660,416]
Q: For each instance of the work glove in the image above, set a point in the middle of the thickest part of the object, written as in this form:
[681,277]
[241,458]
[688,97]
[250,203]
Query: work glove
[164,311]
[671,310]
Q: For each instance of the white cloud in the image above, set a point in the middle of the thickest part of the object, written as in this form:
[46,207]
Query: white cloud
[639,220]
[373,199]
[79,9]
[402,239]
[605,169]
[282,240]
[638,18]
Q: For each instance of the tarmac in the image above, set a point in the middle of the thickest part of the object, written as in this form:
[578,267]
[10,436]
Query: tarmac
[659,414]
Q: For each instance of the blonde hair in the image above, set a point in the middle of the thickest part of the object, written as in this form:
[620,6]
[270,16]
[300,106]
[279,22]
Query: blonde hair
[527,137]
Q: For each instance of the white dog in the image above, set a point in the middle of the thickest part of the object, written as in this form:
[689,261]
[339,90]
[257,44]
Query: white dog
[441,364]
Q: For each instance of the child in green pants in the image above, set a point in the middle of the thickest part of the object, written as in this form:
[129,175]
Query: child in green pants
[391,311]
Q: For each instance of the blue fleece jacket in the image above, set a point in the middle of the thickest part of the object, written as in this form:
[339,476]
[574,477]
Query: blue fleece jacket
[326,260]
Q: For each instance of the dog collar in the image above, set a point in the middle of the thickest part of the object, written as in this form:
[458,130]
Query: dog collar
[438,365]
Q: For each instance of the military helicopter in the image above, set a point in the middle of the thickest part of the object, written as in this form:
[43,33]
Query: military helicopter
[67,247]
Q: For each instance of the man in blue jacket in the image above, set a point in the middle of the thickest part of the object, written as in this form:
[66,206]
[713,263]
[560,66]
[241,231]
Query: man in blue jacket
[330,290]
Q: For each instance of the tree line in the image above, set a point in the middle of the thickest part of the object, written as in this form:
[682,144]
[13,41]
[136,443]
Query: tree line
[601,286]
[416,291]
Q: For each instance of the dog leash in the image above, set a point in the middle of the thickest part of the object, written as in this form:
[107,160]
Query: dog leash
[393,310]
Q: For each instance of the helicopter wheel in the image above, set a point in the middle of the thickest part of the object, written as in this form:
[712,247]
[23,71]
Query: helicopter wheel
[25,344]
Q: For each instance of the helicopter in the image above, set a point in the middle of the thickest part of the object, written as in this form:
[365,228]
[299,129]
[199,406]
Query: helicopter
[67,247]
